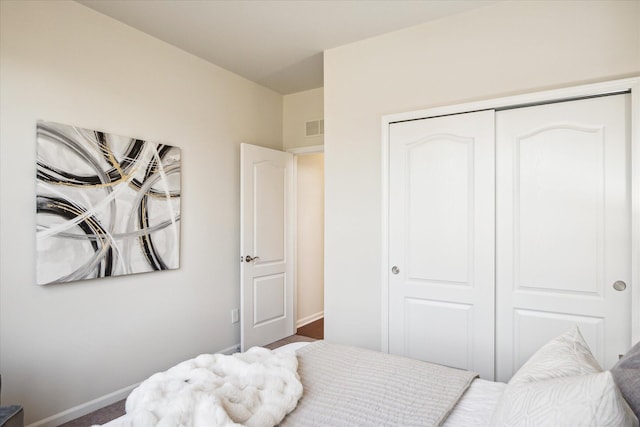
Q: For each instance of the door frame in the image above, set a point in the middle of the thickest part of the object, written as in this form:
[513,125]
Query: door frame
[631,85]
[297,151]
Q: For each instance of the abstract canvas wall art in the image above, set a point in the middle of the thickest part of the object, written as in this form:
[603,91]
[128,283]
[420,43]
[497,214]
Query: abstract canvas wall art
[107,205]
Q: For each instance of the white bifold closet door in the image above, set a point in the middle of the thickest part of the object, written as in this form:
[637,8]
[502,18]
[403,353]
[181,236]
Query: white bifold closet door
[563,228]
[441,241]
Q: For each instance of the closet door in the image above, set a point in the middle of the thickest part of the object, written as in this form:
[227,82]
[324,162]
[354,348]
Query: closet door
[441,240]
[563,228]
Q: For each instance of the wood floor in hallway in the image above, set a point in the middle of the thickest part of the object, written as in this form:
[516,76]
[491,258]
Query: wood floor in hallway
[312,330]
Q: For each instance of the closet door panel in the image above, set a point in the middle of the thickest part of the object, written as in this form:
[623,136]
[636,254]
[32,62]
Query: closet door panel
[439,215]
[552,163]
[455,348]
[441,241]
[531,326]
[563,227]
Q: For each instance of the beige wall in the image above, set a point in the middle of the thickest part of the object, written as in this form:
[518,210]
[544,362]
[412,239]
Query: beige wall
[310,237]
[64,345]
[503,49]
[298,108]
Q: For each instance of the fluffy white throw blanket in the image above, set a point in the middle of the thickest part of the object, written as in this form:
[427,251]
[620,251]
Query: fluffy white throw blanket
[256,389]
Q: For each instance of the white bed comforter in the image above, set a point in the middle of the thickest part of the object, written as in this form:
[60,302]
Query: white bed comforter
[255,389]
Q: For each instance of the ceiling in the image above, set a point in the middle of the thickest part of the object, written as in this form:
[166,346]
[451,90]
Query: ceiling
[276,43]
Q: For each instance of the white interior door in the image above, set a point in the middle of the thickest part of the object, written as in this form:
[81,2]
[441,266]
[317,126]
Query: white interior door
[266,244]
[441,240]
[563,224]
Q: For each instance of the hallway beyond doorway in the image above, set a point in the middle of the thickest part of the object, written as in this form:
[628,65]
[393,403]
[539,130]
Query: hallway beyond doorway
[312,330]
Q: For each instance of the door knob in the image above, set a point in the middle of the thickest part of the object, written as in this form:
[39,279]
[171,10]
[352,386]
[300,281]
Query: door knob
[395,269]
[249,258]
[619,285]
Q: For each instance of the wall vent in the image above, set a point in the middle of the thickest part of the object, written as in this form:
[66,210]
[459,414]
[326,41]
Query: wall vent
[314,127]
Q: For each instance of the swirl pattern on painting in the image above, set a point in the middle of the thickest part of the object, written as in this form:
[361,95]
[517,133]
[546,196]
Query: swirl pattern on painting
[106,205]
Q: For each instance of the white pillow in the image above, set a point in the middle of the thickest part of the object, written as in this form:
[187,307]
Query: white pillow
[586,400]
[564,356]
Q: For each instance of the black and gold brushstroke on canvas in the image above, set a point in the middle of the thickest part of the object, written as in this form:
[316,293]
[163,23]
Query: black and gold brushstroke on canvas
[106,205]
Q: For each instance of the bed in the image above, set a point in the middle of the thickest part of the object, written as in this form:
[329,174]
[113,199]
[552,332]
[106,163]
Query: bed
[323,384]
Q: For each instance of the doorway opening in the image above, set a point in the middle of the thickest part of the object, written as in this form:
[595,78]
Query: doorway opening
[309,298]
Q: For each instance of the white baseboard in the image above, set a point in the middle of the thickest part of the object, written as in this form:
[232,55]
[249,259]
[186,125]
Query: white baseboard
[100,402]
[85,408]
[230,350]
[306,320]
